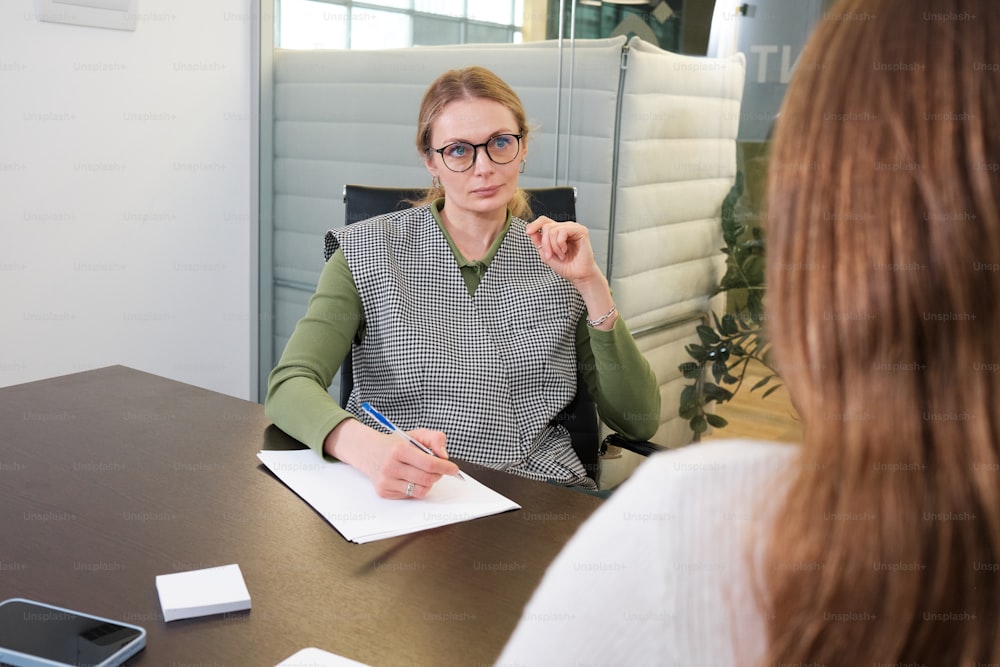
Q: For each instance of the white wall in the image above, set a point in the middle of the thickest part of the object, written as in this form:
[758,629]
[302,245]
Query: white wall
[126,227]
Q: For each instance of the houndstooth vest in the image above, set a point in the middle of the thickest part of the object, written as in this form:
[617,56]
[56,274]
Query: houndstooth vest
[490,370]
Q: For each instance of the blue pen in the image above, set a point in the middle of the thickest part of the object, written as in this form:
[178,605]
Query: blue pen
[384,421]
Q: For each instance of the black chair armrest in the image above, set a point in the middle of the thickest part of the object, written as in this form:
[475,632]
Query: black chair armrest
[642,447]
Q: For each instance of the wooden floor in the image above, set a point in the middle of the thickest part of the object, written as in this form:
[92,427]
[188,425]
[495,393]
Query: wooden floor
[752,416]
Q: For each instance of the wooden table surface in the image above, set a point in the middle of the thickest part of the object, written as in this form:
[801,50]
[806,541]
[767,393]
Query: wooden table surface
[113,476]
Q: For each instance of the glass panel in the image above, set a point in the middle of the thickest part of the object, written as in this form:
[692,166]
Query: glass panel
[518,12]
[312,25]
[430,32]
[372,29]
[443,7]
[537,19]
[493,11]
[486,34]
[660,27]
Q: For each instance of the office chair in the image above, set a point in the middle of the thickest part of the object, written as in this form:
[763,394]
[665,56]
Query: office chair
[559,203]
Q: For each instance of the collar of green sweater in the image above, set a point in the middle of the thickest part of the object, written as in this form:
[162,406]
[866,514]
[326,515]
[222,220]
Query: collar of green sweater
[478,265]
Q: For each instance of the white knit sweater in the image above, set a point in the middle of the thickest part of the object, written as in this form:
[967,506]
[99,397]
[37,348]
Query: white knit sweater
[661,573]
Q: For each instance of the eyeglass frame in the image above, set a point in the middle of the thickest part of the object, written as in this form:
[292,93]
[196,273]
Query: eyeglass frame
[475,151]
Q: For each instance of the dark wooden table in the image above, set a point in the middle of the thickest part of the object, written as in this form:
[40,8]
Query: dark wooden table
[113,476]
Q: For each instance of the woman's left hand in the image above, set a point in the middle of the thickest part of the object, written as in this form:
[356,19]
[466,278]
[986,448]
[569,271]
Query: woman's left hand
[565,247]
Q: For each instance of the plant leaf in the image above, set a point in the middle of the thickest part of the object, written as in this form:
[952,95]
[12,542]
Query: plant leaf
[771,390]
[714,392]
[699,424]
[728,325]
[697,352]
[689,402]
[715,420]
[707,334]
[691,370]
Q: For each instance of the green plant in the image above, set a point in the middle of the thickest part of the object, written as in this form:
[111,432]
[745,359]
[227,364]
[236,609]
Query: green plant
[728,345]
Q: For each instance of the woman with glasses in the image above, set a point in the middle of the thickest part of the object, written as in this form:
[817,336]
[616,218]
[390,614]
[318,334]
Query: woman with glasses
[471,325]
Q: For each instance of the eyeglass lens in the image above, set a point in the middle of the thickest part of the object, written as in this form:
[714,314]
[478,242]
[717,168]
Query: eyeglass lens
[461,155]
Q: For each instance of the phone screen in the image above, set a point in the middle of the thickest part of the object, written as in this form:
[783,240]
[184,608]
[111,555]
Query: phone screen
[61,635]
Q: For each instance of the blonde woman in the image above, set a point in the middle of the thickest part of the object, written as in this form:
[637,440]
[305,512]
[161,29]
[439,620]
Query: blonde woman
[469,325]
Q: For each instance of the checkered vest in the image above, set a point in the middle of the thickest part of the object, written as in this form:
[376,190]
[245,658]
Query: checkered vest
[490,370]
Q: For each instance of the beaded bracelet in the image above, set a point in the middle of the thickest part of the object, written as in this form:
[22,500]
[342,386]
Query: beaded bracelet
[603,318]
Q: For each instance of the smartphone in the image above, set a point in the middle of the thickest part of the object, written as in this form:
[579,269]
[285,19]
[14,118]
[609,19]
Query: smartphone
[35,634]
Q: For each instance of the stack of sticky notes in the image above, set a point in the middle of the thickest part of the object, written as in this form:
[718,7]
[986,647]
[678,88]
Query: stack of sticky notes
[215,590]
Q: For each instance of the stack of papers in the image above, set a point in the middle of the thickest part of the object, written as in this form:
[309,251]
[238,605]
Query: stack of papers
[347,499]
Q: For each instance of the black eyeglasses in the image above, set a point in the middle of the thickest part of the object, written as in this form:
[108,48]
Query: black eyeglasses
[461,155]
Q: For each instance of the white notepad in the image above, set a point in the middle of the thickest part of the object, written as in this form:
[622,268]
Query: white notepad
[347,499]
[215,590]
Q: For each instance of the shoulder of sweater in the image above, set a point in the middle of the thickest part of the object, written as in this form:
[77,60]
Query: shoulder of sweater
[732,451]
[715,462]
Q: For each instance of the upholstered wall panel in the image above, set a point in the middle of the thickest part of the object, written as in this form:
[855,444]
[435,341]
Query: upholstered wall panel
[677,161]
[679,118]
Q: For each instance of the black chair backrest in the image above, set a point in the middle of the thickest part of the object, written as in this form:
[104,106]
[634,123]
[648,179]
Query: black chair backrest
[366,201]
[559,203]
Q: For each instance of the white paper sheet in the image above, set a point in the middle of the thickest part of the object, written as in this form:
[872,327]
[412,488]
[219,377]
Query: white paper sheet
[314,657]
[347,499]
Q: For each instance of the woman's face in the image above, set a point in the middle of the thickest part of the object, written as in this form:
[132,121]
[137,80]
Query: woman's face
[485,188]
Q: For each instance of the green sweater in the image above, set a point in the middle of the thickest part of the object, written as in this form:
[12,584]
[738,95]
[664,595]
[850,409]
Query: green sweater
[617,375]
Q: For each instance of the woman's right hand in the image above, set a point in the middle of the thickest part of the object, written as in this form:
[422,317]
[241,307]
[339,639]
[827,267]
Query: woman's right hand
[390,462]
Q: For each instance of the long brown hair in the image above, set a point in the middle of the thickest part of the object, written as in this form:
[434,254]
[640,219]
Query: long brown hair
[884,290]
[474,82]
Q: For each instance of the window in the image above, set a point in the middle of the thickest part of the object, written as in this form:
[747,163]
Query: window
[382,24]
[306,24]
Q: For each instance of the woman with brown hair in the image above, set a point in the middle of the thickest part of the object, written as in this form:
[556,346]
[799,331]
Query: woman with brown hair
[877,542]
[469,324]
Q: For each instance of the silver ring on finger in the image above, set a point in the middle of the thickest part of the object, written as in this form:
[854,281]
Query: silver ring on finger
[409,489]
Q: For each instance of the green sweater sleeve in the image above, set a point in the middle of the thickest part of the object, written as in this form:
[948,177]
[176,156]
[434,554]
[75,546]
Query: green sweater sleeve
[620,380]
[297,399]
